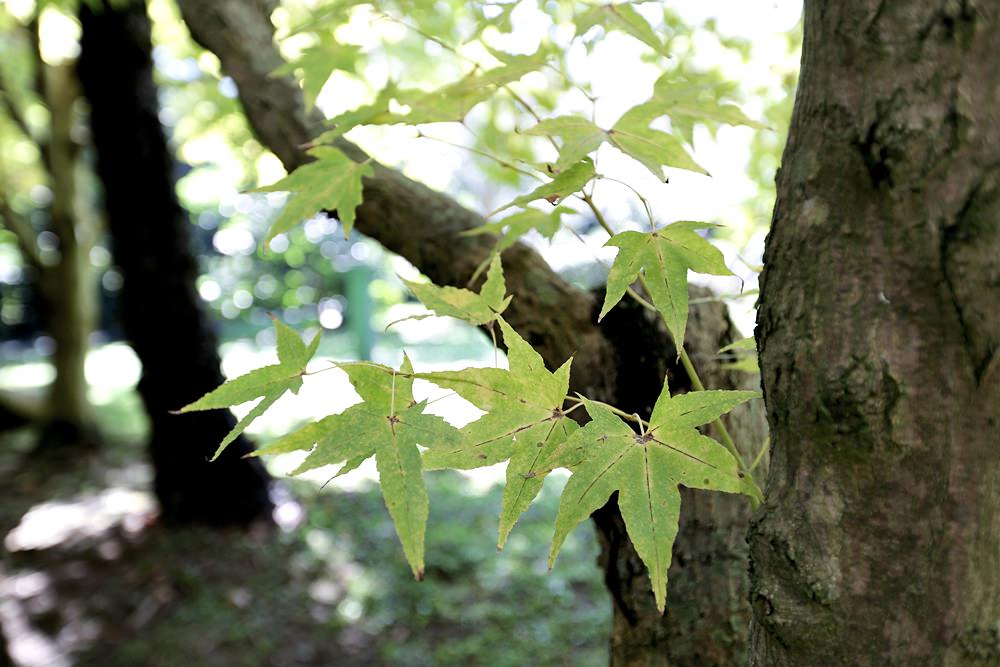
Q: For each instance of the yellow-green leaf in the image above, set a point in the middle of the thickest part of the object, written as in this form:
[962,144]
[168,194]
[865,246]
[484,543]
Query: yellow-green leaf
[663,257]
[332,182]
[268,383]
[465,304]
[653,148]
[580,137]
[513,227]
[317,62]
[646,470]
[388,424]
[566,183]
[622,17]
[524,421]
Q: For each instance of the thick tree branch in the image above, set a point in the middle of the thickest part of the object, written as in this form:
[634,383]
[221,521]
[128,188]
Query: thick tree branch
[407,217]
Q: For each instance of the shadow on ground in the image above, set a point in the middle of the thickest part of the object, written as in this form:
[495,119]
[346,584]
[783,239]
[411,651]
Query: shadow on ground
[89,577]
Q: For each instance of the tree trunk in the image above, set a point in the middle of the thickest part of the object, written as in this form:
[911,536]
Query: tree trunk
[878,331]
[67,286]
[707,618]
[161,313]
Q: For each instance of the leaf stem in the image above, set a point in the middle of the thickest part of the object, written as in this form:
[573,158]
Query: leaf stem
[760,455]
[476,151]
[645,202]
[589,201]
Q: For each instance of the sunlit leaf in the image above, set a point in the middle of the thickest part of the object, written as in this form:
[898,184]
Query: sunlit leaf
[664,257]
[375,113]
[465,304]
[523,421]
[513,227]
[580,137]
[565,183]
[622,17]
[655,149]
[646,470]
[687,102]
[318,62]
[332,182]
[268,383]
[388,424]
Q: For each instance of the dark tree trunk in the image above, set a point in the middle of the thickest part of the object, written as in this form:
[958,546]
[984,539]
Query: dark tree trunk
[624,364]
[161,314]
[878,331]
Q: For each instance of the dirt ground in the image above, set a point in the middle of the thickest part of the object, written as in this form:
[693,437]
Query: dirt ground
[88,576]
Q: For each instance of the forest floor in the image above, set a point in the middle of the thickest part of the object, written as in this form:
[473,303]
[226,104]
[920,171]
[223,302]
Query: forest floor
[89,577]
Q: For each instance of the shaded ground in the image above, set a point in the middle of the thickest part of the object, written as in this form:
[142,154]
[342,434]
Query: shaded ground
[90,578]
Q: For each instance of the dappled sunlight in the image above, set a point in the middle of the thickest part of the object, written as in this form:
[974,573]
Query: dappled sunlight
[84,517]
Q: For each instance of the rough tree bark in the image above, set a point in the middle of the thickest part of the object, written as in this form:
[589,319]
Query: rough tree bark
[878,331]
[161,313]
[622,362]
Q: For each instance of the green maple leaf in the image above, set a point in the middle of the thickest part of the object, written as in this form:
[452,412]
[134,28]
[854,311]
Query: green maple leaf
[268,383]
[624,18]
[453,102]
[646,469]
[513,227]
[375,113]
[664,257]
[318,62]
[388,424]
[630,134]
[566,183]
[580,137]
[448,103]
[535,457]
[465,304]
[332,182]
[686,102]
[653,148]
[524,422]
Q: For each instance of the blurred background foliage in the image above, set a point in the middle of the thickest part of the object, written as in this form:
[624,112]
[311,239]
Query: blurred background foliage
[344,565]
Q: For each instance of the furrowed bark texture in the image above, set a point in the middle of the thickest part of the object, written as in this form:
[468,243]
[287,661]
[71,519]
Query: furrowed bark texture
[878,331]
[623,362]
[161,312]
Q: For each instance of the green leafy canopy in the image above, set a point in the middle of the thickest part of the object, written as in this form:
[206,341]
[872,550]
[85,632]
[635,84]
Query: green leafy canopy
[268,383]
[646,468]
